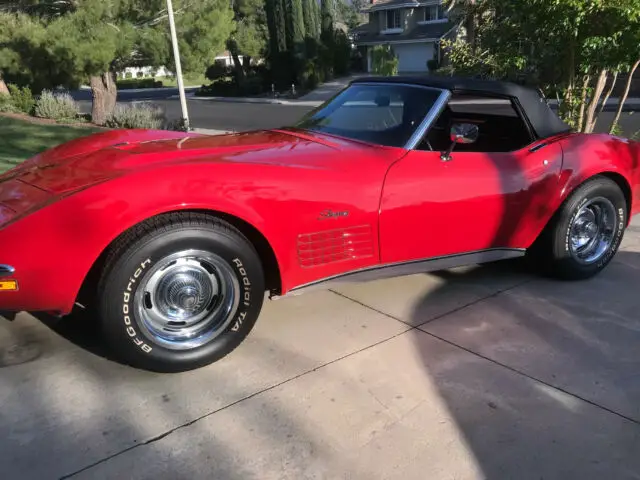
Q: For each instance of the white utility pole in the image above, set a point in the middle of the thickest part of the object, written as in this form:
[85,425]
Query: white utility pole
[176,55]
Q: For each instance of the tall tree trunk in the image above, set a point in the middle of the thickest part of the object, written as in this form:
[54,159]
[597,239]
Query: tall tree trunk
[232,45]
[3,87]
[623,99]
[470,25]
[607,95]
[583,102]
[590,121]
[104,93]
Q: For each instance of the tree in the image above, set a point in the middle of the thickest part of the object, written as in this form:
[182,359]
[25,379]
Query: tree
[276,22]
[570,48]
[317,18]
[384,60]
[310,17]
[623,99]
[295,26]
[349,13]
[92,39]
[327,17]
[250,36]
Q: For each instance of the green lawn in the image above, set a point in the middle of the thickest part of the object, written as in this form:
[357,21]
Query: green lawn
[20,139]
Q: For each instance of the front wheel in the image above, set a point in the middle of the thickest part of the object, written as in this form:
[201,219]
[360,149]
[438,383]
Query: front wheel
[180,292]
[585,233]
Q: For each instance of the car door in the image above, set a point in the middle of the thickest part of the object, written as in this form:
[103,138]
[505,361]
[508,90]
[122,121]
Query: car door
[476,201]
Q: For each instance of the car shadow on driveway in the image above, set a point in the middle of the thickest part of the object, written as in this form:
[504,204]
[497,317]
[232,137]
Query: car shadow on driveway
[80,328]
[542,379]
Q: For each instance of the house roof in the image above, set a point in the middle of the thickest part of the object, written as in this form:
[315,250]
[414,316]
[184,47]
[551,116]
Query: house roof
[364,34]
[543,120]
[389,4]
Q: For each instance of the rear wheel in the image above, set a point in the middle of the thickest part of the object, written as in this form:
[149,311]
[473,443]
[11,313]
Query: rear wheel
[179,292]
[585,233]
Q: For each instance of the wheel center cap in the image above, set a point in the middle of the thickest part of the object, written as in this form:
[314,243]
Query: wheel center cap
[591,229]
[188,302]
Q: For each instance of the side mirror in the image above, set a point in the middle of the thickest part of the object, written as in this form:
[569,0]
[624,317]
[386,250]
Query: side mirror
[462,133]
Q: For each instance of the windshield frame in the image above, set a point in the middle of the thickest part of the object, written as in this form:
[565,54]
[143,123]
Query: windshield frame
[418,133]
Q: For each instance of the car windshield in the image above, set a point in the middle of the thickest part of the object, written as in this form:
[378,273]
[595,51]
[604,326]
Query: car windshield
[385,114]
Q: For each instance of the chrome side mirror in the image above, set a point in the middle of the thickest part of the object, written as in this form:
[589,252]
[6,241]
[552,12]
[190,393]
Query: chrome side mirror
[463,133]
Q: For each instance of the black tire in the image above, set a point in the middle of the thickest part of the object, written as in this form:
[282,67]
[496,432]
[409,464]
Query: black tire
[552,252]
[145,249]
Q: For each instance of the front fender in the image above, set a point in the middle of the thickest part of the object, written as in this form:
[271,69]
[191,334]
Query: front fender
[53,248]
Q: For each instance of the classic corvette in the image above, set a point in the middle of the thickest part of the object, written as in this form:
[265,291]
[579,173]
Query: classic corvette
[173,238]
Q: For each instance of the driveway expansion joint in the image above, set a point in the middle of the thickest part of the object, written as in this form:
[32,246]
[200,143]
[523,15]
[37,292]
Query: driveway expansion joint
[479,355]
[208,414]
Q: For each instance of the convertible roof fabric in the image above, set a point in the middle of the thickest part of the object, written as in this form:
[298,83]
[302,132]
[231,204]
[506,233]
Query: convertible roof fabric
[543,120]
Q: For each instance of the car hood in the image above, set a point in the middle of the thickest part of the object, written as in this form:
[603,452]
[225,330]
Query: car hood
[99,157]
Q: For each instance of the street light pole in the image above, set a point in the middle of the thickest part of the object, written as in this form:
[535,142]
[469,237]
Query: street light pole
[176,56]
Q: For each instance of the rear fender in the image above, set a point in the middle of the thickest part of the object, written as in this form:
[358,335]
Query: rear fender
[589,155]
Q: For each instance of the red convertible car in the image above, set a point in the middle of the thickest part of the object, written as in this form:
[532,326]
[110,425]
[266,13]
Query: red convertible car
[174,238]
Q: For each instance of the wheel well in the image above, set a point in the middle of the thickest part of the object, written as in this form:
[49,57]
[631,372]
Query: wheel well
[624,186]
[273,281]
[615,177]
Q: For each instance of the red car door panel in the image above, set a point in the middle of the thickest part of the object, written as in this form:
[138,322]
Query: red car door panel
[475,201]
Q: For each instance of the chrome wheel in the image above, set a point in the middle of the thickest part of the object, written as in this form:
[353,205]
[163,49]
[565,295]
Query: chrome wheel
[591,232]
[187,299]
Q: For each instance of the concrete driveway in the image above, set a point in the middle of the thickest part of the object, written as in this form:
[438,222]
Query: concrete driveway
[485,372]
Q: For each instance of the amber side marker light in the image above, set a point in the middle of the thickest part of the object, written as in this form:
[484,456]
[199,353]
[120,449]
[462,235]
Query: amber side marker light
[8,285]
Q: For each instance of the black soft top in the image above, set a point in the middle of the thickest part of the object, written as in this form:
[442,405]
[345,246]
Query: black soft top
[543,120]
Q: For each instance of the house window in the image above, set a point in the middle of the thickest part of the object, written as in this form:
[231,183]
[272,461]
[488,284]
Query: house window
[432,13]
[393,19]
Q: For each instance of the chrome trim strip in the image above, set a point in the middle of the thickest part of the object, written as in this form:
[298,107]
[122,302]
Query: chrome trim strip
[429,118]
[379,272]
[6,270]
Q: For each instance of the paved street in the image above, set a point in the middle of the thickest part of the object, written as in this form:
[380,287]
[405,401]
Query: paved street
[238,116]
[477,373]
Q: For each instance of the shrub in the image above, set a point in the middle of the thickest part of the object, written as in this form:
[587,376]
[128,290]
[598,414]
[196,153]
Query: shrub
[252,85]
[176,125]
[6,104]
[143,116]
[310,76]
[128,75]
[22,99]
[384,60]
[57,106]
[138,83]
[218,70]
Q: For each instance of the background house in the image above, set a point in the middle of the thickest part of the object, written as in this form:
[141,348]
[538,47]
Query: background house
[413,29]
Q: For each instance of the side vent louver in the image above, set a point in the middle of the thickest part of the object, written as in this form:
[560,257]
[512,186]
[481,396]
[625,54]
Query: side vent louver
[332,246]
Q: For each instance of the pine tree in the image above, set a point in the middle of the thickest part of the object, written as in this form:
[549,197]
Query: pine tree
[311,13]
[327,12]
[276,23]
[316,17]
[295,25]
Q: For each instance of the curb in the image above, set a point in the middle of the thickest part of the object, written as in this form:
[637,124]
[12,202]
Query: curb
[270,101]
[209,131]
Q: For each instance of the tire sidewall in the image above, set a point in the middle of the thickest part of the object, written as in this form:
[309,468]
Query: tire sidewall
[120,318]
[602,188]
